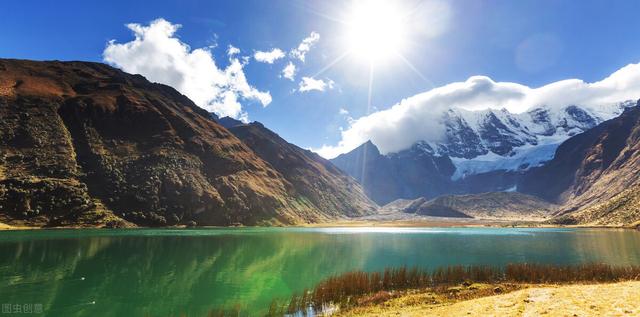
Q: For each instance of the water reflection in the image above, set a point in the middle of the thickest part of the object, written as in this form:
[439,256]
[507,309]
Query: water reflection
[165,272]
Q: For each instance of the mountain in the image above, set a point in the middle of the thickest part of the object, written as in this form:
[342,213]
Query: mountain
[87,144]
[411,173]
[317,181]
[516,142]
[478,151]
[496,205]
[226,122]
[424,207]
[594,175]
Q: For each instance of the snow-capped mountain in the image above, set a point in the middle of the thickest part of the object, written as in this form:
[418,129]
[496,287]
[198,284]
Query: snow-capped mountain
[478,151]
[488,140]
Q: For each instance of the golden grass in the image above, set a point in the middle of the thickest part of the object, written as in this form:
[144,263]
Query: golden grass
[615,299]
[351,288]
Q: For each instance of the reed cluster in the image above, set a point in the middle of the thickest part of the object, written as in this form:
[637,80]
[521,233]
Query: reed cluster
[343,290]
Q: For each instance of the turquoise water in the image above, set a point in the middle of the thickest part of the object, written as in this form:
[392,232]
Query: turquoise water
[169,272]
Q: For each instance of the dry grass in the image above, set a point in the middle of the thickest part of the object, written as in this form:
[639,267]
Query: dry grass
[615,299]
[354,288]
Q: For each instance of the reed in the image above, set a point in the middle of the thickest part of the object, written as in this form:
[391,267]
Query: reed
[343,290]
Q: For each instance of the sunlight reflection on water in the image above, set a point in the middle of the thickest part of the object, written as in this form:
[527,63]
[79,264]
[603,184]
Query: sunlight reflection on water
[164,272]
[424,230]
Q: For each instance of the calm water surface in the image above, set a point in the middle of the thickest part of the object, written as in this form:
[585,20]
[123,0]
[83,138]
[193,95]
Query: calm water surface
[169,272]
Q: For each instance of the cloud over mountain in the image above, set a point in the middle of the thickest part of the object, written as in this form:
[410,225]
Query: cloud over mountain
[159,55]
[417,118]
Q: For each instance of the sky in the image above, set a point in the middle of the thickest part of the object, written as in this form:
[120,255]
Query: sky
[323,79]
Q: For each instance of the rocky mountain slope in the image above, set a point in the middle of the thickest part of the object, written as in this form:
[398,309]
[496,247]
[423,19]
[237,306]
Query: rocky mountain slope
[314,179]
[87,144]
[496,205]
[479,151]
[594,175]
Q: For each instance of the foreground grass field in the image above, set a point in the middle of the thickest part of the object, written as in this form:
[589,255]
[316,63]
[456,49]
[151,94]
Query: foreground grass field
[615,299]
[355,289]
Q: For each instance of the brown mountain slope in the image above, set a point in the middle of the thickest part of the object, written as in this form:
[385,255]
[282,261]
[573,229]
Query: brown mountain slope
[494,205]
[594,175]
[314,179]
[84,143]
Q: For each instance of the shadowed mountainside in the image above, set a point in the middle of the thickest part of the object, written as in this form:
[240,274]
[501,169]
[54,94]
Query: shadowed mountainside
[406,174]
[415,173]
[594,175]
[87,144]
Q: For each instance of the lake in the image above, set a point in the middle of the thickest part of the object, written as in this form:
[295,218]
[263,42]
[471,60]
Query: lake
[169,272]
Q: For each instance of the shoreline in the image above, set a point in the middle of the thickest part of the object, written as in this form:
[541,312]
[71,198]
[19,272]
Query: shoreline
[340,224]
[384,220]
[447,223]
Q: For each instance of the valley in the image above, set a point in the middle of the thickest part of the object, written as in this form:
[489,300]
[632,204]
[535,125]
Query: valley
[86,145]
[319,158]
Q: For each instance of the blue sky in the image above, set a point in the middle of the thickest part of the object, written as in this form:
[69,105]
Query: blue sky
[529,42]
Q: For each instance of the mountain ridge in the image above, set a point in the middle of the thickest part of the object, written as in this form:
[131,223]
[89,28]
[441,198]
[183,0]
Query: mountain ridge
[315,178]
[87,144]
[485,150]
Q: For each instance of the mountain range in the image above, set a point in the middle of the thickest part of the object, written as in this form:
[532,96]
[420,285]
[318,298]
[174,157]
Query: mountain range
[480,151]
[87,144]
[581,158]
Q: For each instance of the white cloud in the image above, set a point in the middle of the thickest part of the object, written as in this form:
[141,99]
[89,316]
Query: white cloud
[161,57]
[328,151]
[301,51]
[289,71]
[344,111]
[309,84]
[232,50]
[417,117]
[268,57]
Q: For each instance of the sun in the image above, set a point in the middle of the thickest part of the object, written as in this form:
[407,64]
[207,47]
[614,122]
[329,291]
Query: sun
[376,30]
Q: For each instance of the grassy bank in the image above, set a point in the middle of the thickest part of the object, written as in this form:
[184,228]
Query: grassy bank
[585,300]
[352,289]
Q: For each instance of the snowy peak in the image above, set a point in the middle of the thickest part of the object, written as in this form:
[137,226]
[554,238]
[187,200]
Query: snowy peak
[501,133]
[478,151]
[578,118]
[566,121]
[491,140]
[461,139]
[541,119]
[469,134]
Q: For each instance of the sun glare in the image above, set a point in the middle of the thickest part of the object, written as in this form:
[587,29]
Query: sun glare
[376,30]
